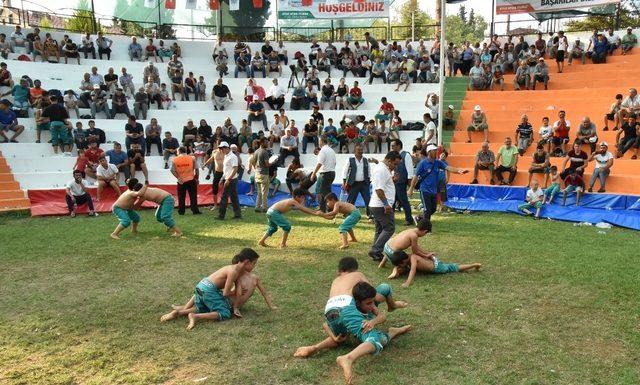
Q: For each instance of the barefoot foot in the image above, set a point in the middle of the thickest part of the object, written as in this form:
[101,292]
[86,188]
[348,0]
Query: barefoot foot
[114,236]
[192,321]
[169,316]
[176,234]
[342,247]
[394,332]
[399,305]
[261,243]
[283,246]
[347,368]
[304,351]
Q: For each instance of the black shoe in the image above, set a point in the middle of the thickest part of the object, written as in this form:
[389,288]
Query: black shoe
[475,181]
[375,256]
[207,177]
[179,213]
[197,213]
[409,223]
[166,166]
[602,190]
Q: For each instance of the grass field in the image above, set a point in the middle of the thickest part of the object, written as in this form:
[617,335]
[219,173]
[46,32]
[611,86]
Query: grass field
[554,304]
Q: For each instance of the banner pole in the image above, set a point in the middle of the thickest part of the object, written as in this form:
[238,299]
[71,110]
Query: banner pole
[443,73]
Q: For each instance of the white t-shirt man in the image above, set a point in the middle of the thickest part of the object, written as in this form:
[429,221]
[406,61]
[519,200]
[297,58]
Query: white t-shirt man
[430,129]
[107,173]
[602,159]
[76,188]
[534,196]
[277,129]
[230,161]
[327,158]
[545,132]
[382,179]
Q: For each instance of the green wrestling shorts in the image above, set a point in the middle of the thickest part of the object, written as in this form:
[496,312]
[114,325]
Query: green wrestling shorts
[208,298]
[388,251]
[444,268]
[125,216]
[350,221]
[164,212]
[276,219]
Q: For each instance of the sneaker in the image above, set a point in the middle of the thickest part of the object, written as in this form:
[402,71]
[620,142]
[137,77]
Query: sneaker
[375,256]
[166,166]
[475,181]
[602,190]
[590,189]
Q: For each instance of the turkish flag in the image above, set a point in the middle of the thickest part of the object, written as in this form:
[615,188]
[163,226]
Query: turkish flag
[257,3]
[307,3]
[214,4]
[170,4]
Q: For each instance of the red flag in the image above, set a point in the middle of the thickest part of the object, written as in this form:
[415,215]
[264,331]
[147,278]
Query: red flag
[307,3]
[214,4]
[257,3]
[170,4]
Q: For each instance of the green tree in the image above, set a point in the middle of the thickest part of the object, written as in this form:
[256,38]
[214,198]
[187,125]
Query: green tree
[423,23]
[462,13]
[81,21]
[133,18]
[248,21]
[602,18]
[459,30]
[45,24]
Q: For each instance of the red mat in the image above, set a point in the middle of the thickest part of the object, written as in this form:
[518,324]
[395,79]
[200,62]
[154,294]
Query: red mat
[52,202]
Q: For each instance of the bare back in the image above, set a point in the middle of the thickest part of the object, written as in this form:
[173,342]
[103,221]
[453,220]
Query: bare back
[345,208]
[403,240]
[155,194]
[126,200]
[344,283]
[285,205]
[219,277]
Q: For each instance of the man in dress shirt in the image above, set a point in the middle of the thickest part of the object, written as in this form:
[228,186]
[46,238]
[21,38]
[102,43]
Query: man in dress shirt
[356,178]
[381,204]
[275,96]
[325,171]
[230,186]
[288,146]
[403,173]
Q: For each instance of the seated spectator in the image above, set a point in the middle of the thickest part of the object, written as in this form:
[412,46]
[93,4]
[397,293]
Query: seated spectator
[153,93]
[134,133]
[587,133]
[135,50]
[403,80]
[189,133]
[87,46]
[151,71]
[524,135]
[141,103]
[613,114]
[18,39]
[631,104]
[426,69]
[95,78]
[393,70]
[600,50]
[283,55]
[151,51]
[312,76]
[507,160]
[355,98]
[485,160]
[38,49]
[478,123]
[273,63]
[497,78]
[9,122]
[365,66]
[219,50]
[50,48]
[324,64]
[174,65]
[111,81]
[126,82]
[629,40]
[136,161]
[20,93]
[577,52]
[604,162]
[297,98]
[378,71]
[176,49]
[276,131]
[221,96]
[35,93]
[573,182]
[522,78]
[314,50]
[222,67]
[288,146]
[258,65]
[71,102]
[540,164]
[631,138]
[449,119]
[164,51]
[95,134]
[310,95]
[229,132]
[408,65]
[576,159]
[92,154]
[191,86]
[80,137]
[327,94]
[119,158]
[242,64]
[70,50]
[205,130]
[534,200]
[540,74]
[104,46]
[99,102]
[275,96]
[241,48]
[613,42]
[153,132]
[561,128]
[170,146]
[107,175]
[119,104]
[77,195]
[309,135]
[256,113]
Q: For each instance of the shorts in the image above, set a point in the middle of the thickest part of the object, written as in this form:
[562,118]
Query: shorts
[348,320]
[559,56]
[481,127]
[125,216]
[443,268]
[544,170]
[572,188]
[350,221]
[275,220]
[208,298]
[164,212]
[13,126]
[388,251]
[610,116]
[355,100]
[558,140]
[529,206]
[383,117]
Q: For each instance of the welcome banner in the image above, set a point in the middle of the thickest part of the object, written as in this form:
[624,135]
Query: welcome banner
[506,7]
[332,9]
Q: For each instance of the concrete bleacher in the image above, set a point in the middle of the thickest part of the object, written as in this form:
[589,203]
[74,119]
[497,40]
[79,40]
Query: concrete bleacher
[30,165]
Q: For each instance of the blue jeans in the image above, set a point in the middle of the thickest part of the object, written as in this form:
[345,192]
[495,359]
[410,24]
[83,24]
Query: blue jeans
[307,139]
[254,70]
[601,174]
[245,70]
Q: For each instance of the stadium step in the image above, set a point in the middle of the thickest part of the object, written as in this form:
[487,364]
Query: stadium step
[14,204]
[12,198]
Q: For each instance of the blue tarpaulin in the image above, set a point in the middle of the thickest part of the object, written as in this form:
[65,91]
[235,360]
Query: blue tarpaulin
[618,210]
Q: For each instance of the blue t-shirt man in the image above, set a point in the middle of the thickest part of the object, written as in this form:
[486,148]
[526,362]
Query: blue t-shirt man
[427,172]
[116,158]
[7,117]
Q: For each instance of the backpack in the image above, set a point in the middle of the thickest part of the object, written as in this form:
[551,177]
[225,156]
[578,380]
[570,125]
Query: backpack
[24,57]
[55,92]
[414,126]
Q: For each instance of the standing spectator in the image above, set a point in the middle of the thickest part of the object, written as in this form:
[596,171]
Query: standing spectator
[628,41]
[427,172]
[9,122]
[256,113]
[524,134]
[107,175]
[87,46]
[309,134]
[260,162]
[134,133]
[587,133]
[5,47]
[381,204]
[152,133]
[325,171]
[356,179]
[485,160]
[221,96]
[119,104]
[104,46]
[59,124]
[577,160]
[403,175]
[183,167]
[77,194]
[275,96]
[230,184]
[135,50]
[631,138]
[507,160]
[478,123]
[170,147]
[563,45]
[604,161]
[119,158]
[561,128]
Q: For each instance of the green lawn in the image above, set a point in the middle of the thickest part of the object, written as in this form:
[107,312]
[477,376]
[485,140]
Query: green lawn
[554,304]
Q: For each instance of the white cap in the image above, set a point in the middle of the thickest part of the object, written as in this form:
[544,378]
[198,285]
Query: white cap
[150,63]
[96,87]
[451,106]
[233,146]
[223,144]
[603,143]
[431,147]
[477,108]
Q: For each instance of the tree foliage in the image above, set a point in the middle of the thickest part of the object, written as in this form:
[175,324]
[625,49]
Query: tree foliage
[423,23]
[133,18]
[601,19]
[81,21]
[463,27]
[247,21]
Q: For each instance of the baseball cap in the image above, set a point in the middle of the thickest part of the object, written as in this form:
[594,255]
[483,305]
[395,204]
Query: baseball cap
[233,146]
[96,86]
[432,147]
[477,108]
[541,59]
[451,106]
[604,144]
[223,144]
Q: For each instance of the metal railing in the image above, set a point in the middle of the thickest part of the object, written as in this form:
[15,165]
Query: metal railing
[230,33]
[11,16]
[402,32]
[118,26]
[306,33]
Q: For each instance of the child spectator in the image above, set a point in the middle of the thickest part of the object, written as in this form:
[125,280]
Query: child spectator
[199,150]
[554,189]
[534,199]
[80,137]
[613,114]
[202,89]
[403,79]
[573,182]
[545,131]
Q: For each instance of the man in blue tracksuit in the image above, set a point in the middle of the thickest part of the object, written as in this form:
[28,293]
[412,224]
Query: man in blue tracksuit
[427,173]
